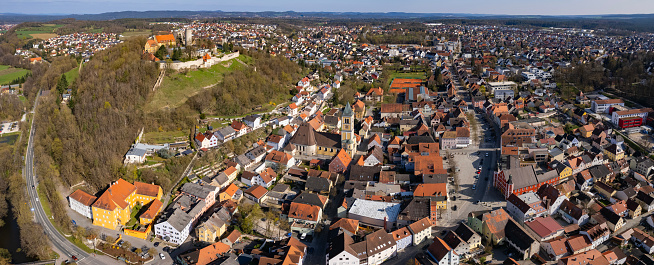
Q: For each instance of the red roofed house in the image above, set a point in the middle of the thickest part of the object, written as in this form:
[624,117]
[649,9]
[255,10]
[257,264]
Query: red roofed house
[304,217]
[256,193]
[375,94]
[81,202]
[340,163]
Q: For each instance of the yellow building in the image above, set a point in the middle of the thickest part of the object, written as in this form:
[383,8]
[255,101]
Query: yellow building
[614,152]
[212,229]
[151,46]
[115,205]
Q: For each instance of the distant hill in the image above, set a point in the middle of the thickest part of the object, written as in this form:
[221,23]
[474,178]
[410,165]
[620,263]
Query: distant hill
[636,22]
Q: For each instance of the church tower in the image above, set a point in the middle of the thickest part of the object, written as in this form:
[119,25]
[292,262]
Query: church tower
[348,139]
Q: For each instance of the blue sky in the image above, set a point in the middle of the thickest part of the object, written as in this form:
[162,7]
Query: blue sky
[510,7]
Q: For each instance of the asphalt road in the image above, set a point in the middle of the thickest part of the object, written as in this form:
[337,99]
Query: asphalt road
[57,239]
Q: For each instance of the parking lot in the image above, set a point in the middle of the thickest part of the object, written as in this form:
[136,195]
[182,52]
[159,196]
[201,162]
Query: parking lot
[9,127]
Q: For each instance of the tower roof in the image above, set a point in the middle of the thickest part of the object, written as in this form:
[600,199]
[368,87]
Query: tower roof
[348,110]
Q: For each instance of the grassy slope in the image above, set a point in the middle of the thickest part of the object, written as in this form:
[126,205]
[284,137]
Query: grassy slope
[72,75]
[7,74]
[177,88]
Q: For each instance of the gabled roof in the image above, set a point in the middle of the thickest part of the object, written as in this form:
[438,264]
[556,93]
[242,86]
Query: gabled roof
[439,248]
[257,191]
[351,225]
[147,189]
[82,197]
[304,212]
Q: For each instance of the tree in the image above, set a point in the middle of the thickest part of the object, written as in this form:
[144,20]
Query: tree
[62,85]
[161,52]
[5,256]
[152,252]
[127,245]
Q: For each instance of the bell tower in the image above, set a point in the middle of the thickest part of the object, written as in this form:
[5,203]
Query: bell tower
[348,139]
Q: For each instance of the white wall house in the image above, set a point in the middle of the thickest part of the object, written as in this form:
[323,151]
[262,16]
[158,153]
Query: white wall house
[343,258]
[81,202]
[175,229]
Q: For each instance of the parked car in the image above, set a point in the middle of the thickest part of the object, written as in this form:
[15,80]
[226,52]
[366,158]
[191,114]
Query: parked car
[161,255]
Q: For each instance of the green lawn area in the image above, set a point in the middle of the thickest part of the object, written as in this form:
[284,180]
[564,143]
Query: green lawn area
[133,33]
[72,74]
[410,75]
[42,29]
[178,87]
[133,219]
[164,137]
[8,74]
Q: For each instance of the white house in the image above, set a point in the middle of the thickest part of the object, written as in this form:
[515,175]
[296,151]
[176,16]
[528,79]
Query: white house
[442,253]
[135,156]
[174,229]
[403,238]
[266,178]
[206,140]
[225,134]
[253,121]
[81,202]
[421,230]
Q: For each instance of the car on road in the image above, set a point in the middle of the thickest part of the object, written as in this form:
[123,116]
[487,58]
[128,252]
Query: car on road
[74,258]
[486,154]
[454,208]
[303,236]
[474,187]
[161,255]
[156,244]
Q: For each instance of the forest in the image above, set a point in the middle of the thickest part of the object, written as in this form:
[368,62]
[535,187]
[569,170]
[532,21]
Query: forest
[267,79]
[628,75]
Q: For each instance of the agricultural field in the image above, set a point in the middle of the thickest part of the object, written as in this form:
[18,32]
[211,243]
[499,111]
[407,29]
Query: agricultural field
[45,31]
[178,87]
[134,33]
[8,74]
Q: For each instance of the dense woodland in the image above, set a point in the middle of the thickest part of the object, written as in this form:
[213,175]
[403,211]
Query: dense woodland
[629,75]
[243,91]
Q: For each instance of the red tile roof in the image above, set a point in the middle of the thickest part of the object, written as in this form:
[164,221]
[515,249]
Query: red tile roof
[82,197]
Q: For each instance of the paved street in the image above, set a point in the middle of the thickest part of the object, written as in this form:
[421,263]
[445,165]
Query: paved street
[58,241]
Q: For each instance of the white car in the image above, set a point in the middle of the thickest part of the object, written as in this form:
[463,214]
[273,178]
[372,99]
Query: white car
[486,154]
[161,255]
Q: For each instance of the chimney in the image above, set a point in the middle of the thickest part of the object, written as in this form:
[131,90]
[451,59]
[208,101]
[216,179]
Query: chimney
[385,224]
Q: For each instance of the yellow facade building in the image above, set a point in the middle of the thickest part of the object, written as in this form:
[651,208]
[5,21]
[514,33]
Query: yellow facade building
[114,206]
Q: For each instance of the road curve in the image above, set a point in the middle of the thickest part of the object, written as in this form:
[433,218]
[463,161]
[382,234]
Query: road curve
[58,240]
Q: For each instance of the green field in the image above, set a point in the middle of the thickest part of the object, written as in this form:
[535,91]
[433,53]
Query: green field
[8,74]
[177,88]
[164,137]
[72,75]
[133,33]
[410,75]
[26,33]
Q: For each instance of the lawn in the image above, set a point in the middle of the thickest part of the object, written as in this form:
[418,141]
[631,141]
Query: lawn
[133,33]
[72,74]
[8,74]
[178,87]
[410,75]
[41,32]
[133,219]
[164,137]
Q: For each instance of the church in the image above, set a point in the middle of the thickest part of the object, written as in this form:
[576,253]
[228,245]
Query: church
[308,143]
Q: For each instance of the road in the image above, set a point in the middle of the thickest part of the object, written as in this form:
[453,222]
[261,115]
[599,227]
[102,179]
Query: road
[57,239]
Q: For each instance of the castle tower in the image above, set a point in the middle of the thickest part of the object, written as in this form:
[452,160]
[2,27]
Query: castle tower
[188,37]
[348,139]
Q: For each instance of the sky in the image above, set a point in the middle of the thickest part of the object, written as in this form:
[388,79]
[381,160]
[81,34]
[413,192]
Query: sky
[499,7]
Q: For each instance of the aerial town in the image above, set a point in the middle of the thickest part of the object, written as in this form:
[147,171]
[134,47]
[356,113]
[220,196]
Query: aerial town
[470,148]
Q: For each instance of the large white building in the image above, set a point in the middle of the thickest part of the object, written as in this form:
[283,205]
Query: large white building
[506,85]
[81,202]
[603,105]
[379,214]
[175,228]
